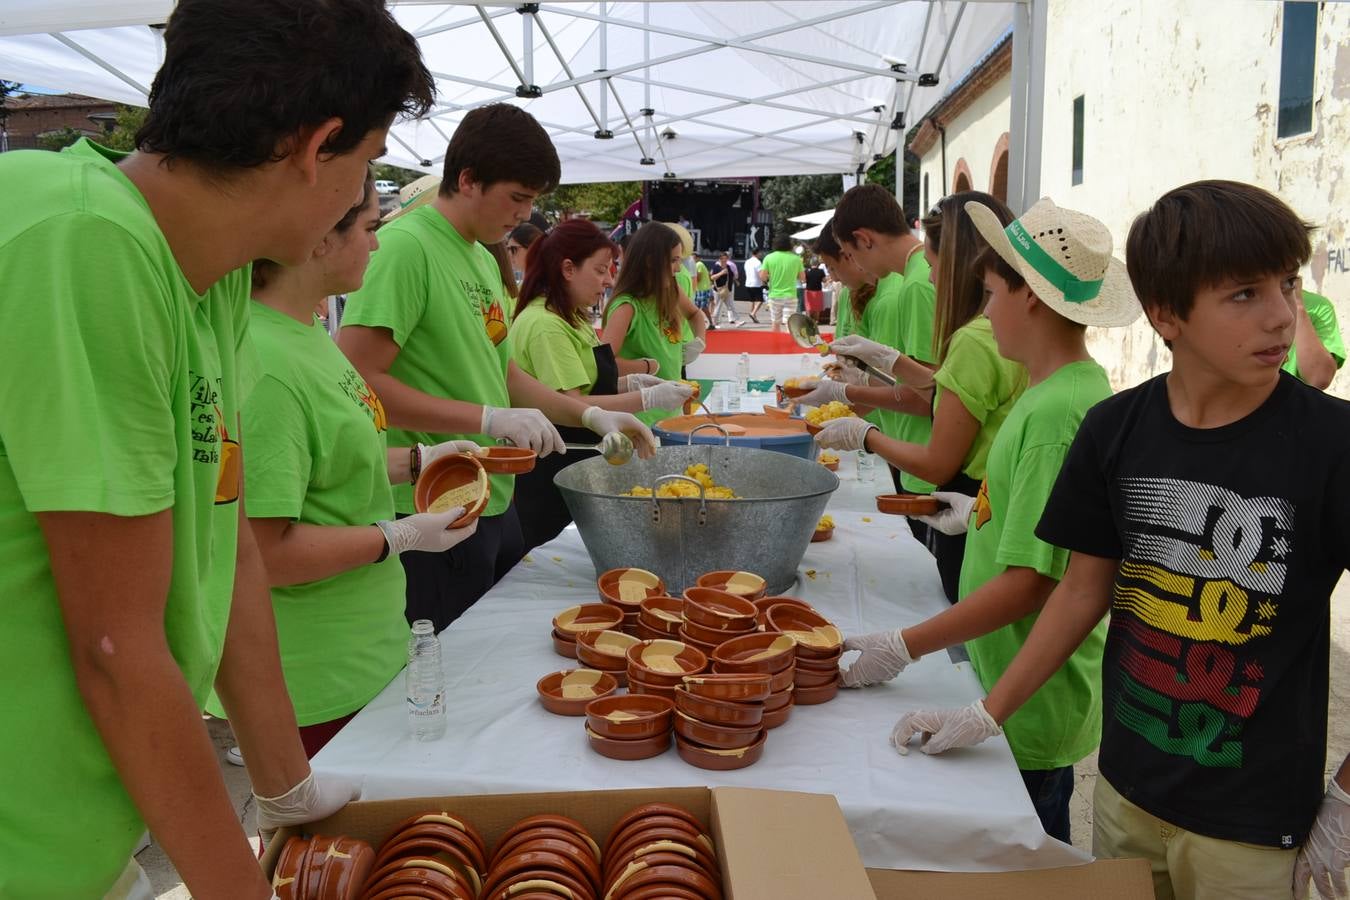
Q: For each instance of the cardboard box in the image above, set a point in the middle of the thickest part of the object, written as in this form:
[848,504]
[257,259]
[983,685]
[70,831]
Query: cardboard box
[1105,879]
[771,845]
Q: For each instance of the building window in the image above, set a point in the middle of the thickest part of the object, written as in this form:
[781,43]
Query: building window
[1298,53]
[1078,139]
[925,192]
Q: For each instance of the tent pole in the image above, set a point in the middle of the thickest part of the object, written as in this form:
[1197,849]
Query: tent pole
[501,45]
[1028,104]
[604,64]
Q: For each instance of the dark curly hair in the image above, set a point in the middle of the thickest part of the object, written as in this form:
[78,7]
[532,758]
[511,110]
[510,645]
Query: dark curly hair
[241,78]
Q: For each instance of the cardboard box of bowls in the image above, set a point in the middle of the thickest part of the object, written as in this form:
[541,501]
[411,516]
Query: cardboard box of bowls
[1105,879]
[769,844]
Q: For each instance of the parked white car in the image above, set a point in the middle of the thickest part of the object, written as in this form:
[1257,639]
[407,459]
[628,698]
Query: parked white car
[386,187]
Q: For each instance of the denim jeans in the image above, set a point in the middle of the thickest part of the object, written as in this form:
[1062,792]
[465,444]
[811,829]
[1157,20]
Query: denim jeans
[1050,790]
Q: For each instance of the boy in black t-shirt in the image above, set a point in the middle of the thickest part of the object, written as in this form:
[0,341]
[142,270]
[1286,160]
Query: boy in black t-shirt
[1205,510]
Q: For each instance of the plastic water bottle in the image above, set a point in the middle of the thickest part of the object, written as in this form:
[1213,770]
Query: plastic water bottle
[743,373]
[867,466]
[426,683]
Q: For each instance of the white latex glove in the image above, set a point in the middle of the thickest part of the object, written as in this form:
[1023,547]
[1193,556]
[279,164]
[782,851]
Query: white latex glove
[955,519]
[848,375]
[666,395]
[849,433]
[943,729]
[693,348]
[638,380]
[824,392]
[429,453]
[524,428]
[1326,852]
[309,801]
[884,656]
[428,532]
[879,356]
[603,421]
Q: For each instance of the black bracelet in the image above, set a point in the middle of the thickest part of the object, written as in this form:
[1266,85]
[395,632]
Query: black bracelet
[414,464]
[384,554]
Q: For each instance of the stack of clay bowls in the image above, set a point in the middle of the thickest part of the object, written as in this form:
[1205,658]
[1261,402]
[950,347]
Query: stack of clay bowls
[660,617]
[544,856]
[606,651]
[719,719]
[659,850]
[322,868]
[566,693]
[819,646]
[743,584]
[578,619]
[763,653]
[657,667]
[629,726]
[712,617]
[762,608]
[434,854]
[625,589]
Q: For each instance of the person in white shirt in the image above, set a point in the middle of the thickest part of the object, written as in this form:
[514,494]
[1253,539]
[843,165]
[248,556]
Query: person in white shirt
[754,283]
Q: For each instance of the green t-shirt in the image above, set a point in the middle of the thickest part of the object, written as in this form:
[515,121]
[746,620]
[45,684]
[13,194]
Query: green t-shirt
[1062,721]
[650,337]
[900,315]
[781,270]
[685,282]
[317,454]
[556,353]
[120,394]
[843,314]
[986,384]
[1323,316]
[439,294]
[703,279]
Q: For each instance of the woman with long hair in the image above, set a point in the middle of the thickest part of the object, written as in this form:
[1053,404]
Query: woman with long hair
[319,473]
[975,386]
[649,317]
[567,271]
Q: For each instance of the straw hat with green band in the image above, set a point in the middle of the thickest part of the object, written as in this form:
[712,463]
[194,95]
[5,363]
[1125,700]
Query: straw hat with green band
[413,195]
[1065,256]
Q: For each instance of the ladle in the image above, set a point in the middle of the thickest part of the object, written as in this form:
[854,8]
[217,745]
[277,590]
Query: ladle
[807,334]
[616,448]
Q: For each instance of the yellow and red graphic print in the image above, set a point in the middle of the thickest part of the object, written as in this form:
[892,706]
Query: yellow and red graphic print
[1198,590]
[211,442]
[983,511]
[231,464]
[355,387]
[494,320]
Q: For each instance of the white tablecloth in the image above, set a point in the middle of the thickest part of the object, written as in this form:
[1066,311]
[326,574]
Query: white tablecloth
[965,811]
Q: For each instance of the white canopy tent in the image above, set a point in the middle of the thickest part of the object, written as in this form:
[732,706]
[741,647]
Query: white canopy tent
[627,90]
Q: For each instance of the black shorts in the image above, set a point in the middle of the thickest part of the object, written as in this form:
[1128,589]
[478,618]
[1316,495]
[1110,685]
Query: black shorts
[756,294]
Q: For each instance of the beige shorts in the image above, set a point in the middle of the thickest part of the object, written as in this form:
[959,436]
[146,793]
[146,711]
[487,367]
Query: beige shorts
[1186,865]
[131,885]
[781,307]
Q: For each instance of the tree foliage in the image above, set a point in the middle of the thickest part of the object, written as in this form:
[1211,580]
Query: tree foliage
[397,174]
[793,195]
[603,201]
[129,121]
[59,140]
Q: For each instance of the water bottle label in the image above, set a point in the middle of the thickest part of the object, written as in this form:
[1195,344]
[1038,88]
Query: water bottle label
[432,707]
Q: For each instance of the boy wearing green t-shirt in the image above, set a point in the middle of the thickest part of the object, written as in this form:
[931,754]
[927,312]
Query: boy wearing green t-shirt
[429,333]
[1007,572]
[130,588]
[782,272]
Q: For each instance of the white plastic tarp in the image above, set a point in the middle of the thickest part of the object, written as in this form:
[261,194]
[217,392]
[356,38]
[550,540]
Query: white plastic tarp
[736,88]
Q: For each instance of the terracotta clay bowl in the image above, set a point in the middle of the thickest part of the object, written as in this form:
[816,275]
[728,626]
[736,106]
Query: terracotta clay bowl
[795,391]
[776,718]
[810,696]
[290,863]
[717,610]
[564,644]
[779,699]
[809,678]
[643,748]
[402,878]
[346,869]
[454,480]
[720,737]
[628,717]
[605,650]
[660,869]
[833,466]
[783,681]
[766,652]
[820,535]
[644,840]
[655,813]
[819,663]
[643,633]
[664,662]
[637,686]
[541,873]
[704,647]
[664,891]
[714,636]
[746,585]
[452,827]
[907,504]
[816,636]
[534,846]
[720,760]
[664,614]
[566,693]
[763,603]
[547,823]
[423,843]
[587,617]
[627,587]
[718,712]
[503,460]
[748,688]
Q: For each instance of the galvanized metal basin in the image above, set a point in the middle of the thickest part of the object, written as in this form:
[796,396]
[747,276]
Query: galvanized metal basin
[765,532]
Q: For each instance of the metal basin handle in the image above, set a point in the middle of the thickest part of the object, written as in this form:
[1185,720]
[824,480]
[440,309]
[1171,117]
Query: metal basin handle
[702,497]
[726,435]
